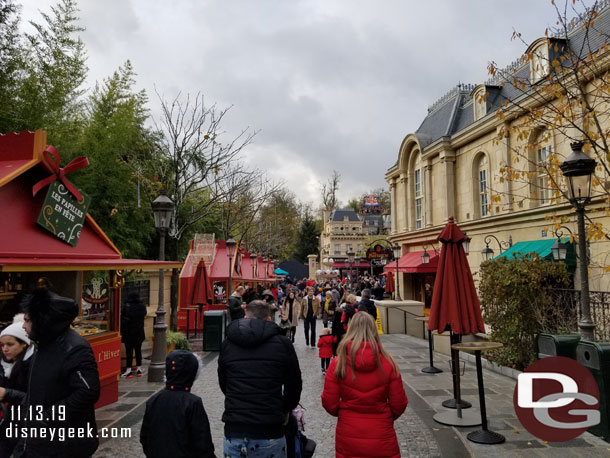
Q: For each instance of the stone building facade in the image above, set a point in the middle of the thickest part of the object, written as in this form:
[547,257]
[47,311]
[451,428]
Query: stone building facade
[454,164]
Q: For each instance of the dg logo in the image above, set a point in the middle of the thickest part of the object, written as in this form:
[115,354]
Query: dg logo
[557,399]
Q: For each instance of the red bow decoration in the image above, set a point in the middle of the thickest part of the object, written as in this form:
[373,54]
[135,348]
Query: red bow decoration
[52,158]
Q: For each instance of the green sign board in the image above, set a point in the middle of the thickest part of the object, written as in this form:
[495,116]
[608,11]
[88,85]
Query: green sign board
[62,214]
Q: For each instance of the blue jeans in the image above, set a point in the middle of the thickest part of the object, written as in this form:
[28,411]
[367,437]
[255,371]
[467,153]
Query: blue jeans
[242,447]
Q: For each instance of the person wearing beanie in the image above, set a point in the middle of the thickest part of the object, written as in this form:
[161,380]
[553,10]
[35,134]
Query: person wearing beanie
[175,422]
[63,376]
[14,372]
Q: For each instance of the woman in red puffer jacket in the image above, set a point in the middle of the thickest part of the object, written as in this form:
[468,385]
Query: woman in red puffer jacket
[363,387]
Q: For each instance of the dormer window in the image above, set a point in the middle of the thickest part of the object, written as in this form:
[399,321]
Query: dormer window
[479,100]
[539,67]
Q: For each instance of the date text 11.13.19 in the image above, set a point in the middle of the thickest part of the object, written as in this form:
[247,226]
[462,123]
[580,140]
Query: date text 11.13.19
[37,413]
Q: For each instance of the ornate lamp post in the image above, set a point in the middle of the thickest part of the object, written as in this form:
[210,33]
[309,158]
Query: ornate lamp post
[466,244]
[163,210]
[425,257]
[230,243]
[578,168]
[350,259]
[396,252]
[253,257]
[357,268]
[488,253]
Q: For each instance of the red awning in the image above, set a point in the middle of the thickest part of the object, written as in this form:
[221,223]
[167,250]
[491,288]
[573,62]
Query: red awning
[412,263]
[343,265]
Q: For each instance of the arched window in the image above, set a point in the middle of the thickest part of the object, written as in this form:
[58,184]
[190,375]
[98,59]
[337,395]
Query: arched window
[481,185]
[540,156]
[418,191]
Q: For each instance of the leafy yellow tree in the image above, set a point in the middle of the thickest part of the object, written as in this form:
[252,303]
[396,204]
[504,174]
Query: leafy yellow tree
[557,93]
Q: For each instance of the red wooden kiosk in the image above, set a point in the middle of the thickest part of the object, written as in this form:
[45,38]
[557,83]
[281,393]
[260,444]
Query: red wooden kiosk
[92,272]
[248,269]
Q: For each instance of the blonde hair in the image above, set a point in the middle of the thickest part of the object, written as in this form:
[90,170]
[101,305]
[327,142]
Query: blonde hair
[361,329]
[325,331]
[351,298]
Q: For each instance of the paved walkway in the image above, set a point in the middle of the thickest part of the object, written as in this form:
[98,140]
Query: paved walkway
[418,434]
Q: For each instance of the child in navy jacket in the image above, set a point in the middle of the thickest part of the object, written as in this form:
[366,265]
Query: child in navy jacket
[175,423]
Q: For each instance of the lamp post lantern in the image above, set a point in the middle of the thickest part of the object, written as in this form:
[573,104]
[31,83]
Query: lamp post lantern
[163,210]
[396,252]
[350,259]
[488,253]
[253,257]
[230,243]
[578,168]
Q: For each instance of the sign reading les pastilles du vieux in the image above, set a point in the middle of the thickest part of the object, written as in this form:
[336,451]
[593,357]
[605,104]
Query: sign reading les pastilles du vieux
[65,207]
[62,214]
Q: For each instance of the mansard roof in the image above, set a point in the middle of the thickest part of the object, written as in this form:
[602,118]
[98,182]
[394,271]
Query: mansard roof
[340,214]
[454,111]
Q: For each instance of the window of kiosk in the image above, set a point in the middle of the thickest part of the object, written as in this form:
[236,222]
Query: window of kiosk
[95,315]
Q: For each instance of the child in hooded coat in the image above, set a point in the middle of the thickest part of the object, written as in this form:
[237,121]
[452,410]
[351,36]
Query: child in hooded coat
[175,422]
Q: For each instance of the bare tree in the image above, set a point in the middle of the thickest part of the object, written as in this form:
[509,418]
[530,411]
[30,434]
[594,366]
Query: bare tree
[329,191]
[244,193]
[196,165]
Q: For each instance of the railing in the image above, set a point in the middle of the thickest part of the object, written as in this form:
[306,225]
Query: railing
[599,304]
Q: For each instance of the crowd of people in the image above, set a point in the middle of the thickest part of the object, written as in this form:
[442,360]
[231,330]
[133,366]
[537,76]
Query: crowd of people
[49,367]
[260,376]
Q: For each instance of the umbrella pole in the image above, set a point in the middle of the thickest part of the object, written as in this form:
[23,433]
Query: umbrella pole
[455,367]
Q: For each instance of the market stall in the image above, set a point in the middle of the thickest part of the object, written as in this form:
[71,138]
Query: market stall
[54,237]
[245,268]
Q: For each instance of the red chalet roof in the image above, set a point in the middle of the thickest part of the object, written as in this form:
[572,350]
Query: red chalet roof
[22,242]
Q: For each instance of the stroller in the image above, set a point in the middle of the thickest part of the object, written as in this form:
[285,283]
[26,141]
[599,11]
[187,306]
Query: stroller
[297,444]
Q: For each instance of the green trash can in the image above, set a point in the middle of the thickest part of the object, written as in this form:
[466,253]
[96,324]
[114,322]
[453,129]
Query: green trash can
[557,345]
[213,329]
[595,356]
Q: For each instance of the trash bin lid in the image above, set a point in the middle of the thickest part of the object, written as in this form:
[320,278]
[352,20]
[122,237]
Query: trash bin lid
[599,351]
[213,313]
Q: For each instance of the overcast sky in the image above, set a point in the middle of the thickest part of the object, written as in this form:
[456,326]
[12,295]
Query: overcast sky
[330,84]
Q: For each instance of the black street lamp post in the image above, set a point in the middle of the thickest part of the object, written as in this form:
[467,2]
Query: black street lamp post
[578,168]
[230,243]
[350,259]
[396,252]
[163,210]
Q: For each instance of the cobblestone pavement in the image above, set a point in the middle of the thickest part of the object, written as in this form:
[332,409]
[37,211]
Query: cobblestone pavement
[418,434]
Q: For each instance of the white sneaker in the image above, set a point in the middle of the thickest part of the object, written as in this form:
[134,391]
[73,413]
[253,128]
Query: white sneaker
[127,373]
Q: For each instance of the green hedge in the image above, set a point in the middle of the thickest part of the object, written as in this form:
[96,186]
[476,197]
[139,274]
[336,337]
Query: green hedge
[518,302]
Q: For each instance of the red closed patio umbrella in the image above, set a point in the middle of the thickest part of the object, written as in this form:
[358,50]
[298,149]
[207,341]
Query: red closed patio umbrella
[455,304]
[455,307]
[202,289]
[202,293]
[389,282]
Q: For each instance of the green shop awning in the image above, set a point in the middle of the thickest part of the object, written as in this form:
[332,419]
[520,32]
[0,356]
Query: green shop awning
[542,248]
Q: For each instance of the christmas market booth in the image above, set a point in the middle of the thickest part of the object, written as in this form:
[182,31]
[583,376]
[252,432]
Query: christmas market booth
[212,270]
[46,232]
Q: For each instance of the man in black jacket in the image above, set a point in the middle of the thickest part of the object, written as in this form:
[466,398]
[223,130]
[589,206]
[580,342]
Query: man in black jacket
[366,304]
[259,373]
[63,384]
